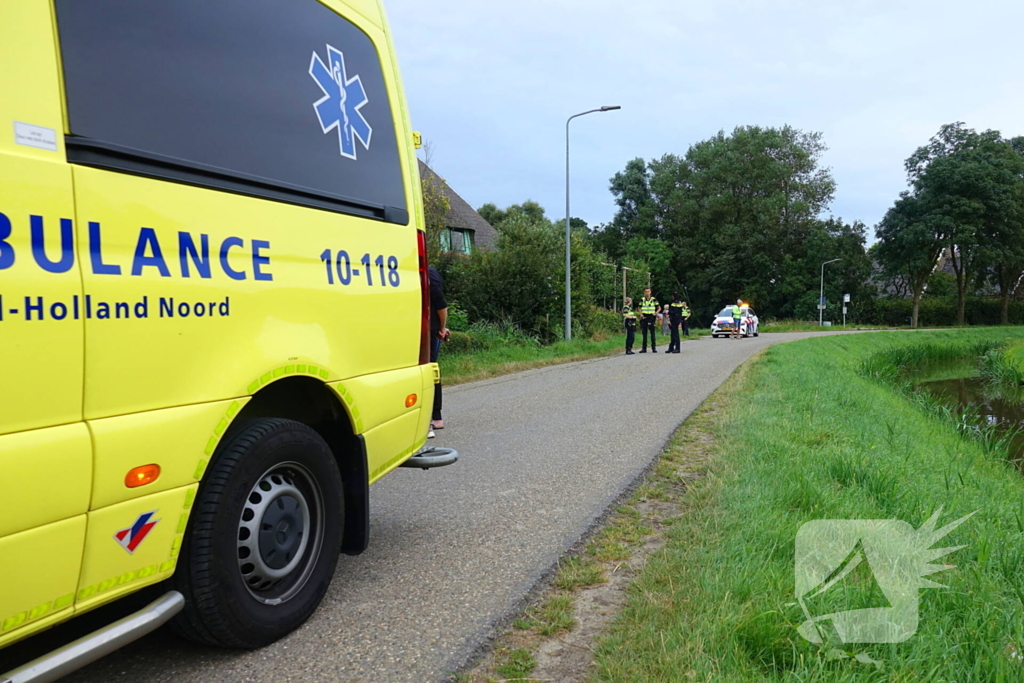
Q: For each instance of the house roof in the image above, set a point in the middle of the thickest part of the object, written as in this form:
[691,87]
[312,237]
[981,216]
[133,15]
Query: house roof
[461,215]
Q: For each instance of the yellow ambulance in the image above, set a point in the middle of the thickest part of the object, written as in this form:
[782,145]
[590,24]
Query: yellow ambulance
[214,310]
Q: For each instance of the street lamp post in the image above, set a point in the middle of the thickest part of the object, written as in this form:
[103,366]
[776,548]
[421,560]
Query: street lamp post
[568,242]
[821,292]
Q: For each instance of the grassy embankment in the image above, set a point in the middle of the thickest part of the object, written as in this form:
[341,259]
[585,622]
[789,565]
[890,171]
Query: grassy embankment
[811,436]
[468,366]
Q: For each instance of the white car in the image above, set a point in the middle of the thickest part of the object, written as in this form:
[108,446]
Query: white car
[721,326]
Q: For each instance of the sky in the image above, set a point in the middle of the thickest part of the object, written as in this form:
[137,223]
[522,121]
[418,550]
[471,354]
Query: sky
[490,85]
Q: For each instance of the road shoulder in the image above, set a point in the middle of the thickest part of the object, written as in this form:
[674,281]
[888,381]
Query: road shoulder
[554,637]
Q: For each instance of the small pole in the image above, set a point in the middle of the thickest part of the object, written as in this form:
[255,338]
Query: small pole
[604,296]
[821,292]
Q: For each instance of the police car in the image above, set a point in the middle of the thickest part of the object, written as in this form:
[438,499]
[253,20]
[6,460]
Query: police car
[721,326]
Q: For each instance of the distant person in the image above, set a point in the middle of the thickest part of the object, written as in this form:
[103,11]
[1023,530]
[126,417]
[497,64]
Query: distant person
[675,319]
[438,332]
[737,318]
[648,320]
[629,323]
[686,319]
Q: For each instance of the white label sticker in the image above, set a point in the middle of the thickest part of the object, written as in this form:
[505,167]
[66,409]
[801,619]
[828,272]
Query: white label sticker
[35,136]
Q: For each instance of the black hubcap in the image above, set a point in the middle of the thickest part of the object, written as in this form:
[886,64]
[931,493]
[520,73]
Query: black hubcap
[281,532]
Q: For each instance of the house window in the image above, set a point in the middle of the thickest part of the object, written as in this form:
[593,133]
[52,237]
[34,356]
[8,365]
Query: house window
[457,241]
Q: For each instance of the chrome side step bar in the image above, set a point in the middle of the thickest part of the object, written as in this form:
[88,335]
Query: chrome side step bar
[87,650]
[429,458]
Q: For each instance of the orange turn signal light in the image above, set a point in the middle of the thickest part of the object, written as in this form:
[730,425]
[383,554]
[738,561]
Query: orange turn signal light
[410,400]
[142,475]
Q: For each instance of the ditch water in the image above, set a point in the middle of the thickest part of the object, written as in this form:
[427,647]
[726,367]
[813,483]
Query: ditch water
[969,393]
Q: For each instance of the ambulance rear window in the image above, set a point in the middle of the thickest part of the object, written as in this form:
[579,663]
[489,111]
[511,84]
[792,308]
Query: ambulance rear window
[282,99]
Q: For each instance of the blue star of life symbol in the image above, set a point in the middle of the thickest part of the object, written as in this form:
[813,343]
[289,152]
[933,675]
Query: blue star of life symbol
[342,100]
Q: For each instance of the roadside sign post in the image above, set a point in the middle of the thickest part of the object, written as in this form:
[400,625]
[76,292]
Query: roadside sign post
[846,300]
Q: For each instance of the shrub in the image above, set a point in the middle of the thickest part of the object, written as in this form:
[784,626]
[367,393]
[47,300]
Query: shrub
[459,342]
[941,312]
[1001,367]
[598,322]
[458,320]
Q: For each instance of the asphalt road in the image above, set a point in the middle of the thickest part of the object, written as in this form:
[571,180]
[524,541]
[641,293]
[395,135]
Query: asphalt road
[455,550]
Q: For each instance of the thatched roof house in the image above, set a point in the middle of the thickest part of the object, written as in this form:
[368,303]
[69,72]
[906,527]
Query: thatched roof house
[467,230]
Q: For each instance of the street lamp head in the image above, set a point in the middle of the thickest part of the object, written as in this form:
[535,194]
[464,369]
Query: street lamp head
[610,108]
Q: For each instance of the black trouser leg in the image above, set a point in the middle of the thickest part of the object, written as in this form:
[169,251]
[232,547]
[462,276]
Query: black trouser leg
[435,349]
[630,338]
[686,326]
[647,325]
[437,402]
[674,344]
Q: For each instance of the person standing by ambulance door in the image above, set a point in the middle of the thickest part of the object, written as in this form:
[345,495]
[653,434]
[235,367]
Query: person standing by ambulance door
[438,332]
[629,322]
[675,319]
[648,320]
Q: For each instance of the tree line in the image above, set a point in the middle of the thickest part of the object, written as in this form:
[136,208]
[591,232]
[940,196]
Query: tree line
[747,215]
[739,216]
[965,202]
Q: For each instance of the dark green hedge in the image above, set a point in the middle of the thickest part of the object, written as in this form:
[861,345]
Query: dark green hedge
[934,312]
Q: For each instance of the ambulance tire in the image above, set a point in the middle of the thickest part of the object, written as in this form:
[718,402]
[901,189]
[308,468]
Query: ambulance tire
[268,474]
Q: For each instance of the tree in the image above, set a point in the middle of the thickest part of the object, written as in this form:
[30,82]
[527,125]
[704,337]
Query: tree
[970,187]
[738,212]
[523,281]
[1008,270]
[909,246]
[658,258]
[533,212]
[632,193]
[519,281]
[435,210]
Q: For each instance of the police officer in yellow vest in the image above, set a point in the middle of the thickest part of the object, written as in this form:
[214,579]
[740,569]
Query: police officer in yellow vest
[686,319]
[629,322]
[737,318]
[675,319]
[648,320]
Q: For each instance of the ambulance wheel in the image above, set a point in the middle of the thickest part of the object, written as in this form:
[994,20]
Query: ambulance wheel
[264,537]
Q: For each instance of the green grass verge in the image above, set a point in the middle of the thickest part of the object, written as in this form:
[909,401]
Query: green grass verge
[808,436]
[457,368]
[470,366]
[810,326]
